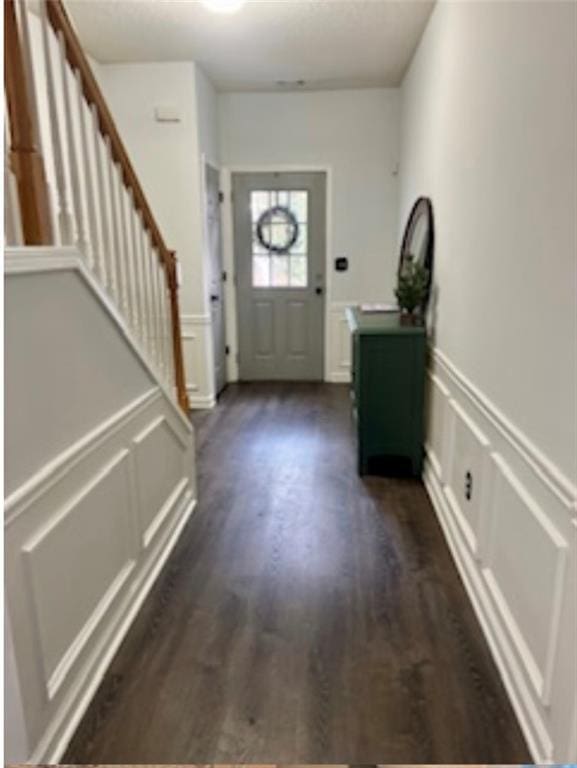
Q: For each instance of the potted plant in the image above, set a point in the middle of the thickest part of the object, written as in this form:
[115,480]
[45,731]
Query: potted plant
[411,290]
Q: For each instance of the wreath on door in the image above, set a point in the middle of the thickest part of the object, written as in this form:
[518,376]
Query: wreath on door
[269,221]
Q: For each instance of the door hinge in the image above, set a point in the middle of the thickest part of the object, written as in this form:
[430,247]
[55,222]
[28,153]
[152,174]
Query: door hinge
[224,276]
[227,350]
[221,197]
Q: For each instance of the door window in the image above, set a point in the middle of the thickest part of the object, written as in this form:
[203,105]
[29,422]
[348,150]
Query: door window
[279,220]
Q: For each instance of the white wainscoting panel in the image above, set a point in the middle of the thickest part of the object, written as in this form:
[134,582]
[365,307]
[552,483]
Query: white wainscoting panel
[85,538]
[95,521]
[528,598]
[338,343]
[198,360]
[467,448]
[514,542]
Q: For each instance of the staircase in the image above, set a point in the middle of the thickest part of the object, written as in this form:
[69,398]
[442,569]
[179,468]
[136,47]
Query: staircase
[70,182]
[99,449]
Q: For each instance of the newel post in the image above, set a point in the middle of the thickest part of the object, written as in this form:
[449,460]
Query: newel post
[25,158]
[180,379]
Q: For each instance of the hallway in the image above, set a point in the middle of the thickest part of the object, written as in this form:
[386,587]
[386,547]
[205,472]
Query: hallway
[305,615]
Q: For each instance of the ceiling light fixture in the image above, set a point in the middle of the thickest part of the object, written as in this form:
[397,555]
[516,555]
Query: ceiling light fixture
[223,6]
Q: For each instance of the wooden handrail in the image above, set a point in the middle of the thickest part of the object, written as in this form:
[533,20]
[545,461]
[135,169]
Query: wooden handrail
[60,23]
[25,157]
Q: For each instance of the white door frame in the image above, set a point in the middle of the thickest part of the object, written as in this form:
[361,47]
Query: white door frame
[228,253]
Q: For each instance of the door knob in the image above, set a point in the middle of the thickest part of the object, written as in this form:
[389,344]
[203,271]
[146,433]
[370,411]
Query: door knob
[214,297]
[319,291]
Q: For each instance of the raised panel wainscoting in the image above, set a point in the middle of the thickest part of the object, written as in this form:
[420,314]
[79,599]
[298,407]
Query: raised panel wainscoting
[85,539]
[100,483]
[198,360]
[338,343]
[512,532]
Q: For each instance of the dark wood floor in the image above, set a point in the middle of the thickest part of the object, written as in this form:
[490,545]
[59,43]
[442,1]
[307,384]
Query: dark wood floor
[306,615]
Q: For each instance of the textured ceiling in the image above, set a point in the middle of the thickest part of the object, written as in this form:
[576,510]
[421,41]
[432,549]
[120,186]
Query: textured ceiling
[327,43]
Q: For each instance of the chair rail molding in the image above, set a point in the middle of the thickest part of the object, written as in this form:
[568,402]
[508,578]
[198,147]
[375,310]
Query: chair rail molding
[522,511]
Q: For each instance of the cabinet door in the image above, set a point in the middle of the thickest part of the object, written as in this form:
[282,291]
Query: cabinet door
[391,376]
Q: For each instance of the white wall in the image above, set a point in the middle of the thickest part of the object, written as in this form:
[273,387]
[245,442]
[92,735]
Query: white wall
[168,160]
[165,156]
[43,378]
[197,326]
[489,132]
[489,119]
[355,133]
[207,117]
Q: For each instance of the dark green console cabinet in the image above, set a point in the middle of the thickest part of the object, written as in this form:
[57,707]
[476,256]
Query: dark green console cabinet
[387,389]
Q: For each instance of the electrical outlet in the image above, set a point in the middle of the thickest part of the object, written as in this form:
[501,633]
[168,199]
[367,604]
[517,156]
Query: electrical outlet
[468,486]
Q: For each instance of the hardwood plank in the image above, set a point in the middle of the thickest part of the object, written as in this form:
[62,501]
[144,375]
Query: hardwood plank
[306,616]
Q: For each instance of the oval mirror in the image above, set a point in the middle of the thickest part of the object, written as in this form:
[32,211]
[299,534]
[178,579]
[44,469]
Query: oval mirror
[419,241]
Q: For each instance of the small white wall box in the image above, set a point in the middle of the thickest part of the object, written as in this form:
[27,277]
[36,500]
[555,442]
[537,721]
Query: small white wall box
[167,114]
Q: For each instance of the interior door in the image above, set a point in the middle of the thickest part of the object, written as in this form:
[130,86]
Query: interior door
[216,276]
[279,235]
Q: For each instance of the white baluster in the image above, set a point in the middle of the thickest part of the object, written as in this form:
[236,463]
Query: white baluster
[129,251]
[93,242]
[104,253]
[132,261]
[114,226]
[12,223]
[142,284]
[156,267]
[64,217]
[166,332]
[153,304]
[122,253]
[152,259]
[151,347]
[138,275]
[73,163]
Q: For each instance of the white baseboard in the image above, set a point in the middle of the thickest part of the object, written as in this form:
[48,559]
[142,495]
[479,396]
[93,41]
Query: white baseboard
[339,377]
[200,402]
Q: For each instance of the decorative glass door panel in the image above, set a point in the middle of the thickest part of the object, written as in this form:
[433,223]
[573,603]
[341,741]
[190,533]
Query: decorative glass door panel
[279,220]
